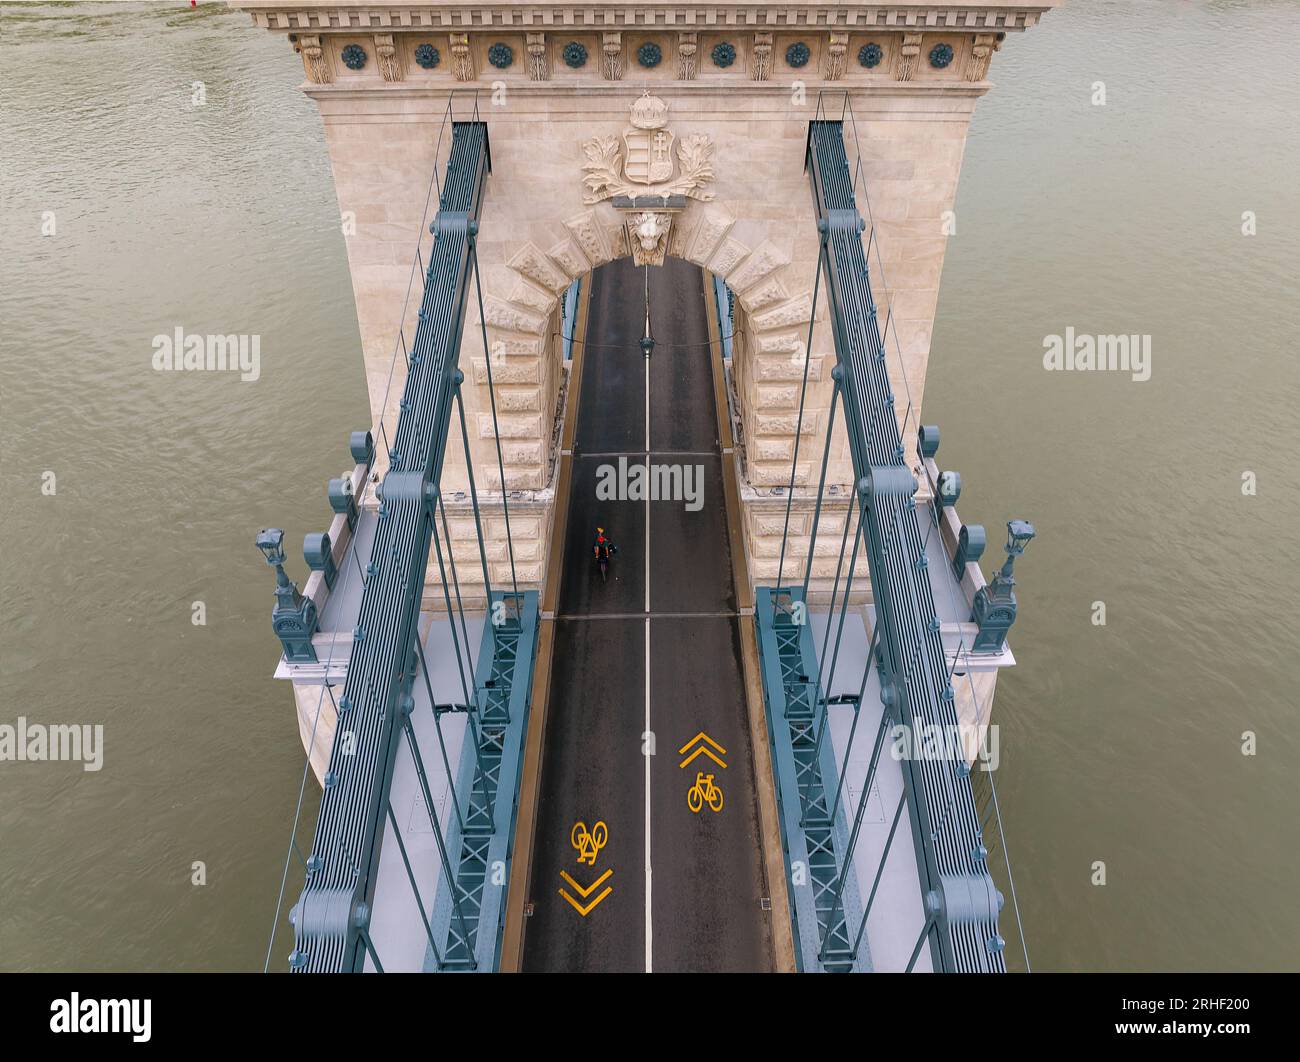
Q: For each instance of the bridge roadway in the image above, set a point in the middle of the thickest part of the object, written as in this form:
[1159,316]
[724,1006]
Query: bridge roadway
[686,887]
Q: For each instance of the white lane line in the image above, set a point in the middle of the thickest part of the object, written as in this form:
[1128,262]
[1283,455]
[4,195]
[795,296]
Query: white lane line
[649,921]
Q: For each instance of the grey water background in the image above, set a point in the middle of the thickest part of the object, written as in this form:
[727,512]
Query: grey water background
[1120,744]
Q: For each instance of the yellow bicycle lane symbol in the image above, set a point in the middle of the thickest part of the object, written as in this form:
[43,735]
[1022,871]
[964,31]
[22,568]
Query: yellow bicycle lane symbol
[704,792]
[588,843]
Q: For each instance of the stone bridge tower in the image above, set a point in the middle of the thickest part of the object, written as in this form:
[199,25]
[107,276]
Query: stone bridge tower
[594,105]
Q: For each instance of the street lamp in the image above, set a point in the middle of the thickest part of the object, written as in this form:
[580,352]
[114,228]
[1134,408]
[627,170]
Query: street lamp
[270,540]
[647,341]
[995,604]
[1019,535]
[294,617]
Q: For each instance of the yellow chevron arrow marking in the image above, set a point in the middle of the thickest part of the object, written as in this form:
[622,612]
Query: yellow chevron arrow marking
[702,738]
[584,893]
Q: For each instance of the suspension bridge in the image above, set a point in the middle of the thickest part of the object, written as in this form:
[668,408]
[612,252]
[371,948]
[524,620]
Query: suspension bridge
[511,779]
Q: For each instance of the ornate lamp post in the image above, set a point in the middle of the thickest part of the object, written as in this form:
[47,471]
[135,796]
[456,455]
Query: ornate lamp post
[647,340]
[294,616]
[995,604]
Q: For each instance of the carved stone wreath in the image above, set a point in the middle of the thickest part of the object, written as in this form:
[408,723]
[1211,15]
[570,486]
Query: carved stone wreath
[604,167]
[869,55]
[940,56]
[649,54]
[426,55]
[353,56]
[724,54]
[501,55]
[797,54]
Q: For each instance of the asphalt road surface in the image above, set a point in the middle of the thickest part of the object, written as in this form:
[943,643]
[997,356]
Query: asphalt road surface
[664,887]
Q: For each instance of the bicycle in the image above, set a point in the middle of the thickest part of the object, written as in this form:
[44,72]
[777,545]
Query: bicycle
[602,560]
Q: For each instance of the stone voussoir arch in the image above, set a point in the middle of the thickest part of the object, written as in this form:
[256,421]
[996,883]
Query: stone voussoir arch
[775,304]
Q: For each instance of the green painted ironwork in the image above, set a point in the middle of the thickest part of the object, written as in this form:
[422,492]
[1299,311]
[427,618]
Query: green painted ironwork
[332,917]
[501,706]
[788,658]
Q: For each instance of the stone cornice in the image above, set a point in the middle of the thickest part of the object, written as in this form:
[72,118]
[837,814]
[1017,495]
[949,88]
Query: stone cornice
[618,90]
[331,16]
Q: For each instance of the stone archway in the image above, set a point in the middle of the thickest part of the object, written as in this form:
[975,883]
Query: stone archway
[752,225]
[767,263]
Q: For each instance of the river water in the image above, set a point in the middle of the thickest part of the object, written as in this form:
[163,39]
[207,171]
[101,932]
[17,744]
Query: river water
[1121,743]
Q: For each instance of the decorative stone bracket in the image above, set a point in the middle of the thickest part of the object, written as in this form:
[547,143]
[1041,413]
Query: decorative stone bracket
[835,58]
[907,56]
[612,47]
[762,56]
[314,63]
[982,54]
[686,49]
[461,60]
[389,65]
[538,69]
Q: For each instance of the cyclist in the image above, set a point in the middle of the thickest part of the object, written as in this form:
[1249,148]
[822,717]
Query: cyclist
[602,549]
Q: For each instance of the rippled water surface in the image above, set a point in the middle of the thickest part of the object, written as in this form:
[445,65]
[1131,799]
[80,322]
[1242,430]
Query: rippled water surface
[1121,744]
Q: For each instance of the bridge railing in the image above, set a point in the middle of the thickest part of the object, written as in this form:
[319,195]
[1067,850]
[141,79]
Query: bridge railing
[961,906]
[977,744]
[462,105]
[838,106]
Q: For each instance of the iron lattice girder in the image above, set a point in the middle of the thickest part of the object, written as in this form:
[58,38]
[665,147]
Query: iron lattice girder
[502,692]
[332,914]
[788,660]
[946,830]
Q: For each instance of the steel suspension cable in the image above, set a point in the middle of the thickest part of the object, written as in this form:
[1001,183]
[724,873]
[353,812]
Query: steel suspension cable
[496,427]
[803,392]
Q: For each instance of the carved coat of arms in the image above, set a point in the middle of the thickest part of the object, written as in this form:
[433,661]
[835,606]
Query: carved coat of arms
[644,162]
[648,146]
